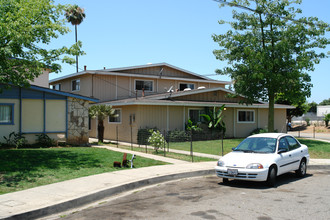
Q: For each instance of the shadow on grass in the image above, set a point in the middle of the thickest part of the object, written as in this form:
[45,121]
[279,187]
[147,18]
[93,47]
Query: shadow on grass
[24,164]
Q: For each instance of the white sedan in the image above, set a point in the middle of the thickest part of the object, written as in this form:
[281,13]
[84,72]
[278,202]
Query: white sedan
[263,157]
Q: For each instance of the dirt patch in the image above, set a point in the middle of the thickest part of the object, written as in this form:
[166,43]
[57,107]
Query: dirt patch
[310,129]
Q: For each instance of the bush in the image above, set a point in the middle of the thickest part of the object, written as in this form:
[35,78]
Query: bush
[308,121]
[327,119]
[177,136]
[144,134]
[15,139]
[43,140]
[156,140]
[261,131]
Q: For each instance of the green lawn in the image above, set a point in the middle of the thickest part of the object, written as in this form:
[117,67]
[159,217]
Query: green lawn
[317,149]
[208,147]
[26,168]
[167,154]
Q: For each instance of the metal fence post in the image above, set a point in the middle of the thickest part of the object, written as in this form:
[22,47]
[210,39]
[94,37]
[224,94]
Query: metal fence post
[191,147]
[131,138]
[164,146]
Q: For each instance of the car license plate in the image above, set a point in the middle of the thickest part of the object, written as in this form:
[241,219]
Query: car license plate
[232,172]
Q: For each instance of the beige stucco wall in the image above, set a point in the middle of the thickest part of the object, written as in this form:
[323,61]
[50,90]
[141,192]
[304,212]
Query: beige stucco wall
[32,115]
[55,115]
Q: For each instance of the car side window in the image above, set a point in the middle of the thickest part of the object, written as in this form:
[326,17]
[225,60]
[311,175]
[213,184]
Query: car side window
[293,144]
[283,145]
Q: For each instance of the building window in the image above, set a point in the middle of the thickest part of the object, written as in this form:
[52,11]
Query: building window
[75,85]
[57,87]
[142,84]
[116,118]
[245,116]
[195,115]
[183,86]
[6,114]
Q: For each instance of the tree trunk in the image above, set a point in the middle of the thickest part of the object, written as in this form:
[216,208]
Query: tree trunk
[76,55]
[100,130]
[271,112]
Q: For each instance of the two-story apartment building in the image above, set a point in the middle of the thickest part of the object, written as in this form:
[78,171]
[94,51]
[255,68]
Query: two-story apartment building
[164,96]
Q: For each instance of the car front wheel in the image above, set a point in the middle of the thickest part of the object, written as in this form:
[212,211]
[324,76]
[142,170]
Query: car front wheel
[301,172]
[271,180]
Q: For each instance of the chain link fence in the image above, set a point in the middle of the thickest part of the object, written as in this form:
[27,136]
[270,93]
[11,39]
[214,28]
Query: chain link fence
[178,141]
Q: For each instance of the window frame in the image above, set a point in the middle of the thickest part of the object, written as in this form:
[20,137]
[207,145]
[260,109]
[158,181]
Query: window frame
[199,112]
[12,105]
[187,84]
[59,86]
[120,117]
[76,85]
[152,81]
[246,122]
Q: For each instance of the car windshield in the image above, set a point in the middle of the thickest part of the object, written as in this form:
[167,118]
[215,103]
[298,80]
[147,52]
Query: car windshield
[257,145]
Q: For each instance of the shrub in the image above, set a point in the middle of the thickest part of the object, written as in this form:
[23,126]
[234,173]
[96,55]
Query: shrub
[15,139]
[177,136]
[43,140]
[261,131]
[144,134]
[308,121]
[156,140]
[327,119]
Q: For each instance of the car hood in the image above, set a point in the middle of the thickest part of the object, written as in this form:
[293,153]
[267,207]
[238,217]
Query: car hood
[241,159]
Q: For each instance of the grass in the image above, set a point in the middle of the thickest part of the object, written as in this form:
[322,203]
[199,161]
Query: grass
[26,168]
[208,147]
[317,149]
[167,154]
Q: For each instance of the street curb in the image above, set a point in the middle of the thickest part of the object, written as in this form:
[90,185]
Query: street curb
[74,203]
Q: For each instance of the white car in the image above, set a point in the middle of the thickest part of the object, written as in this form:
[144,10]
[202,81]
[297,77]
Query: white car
[263,157]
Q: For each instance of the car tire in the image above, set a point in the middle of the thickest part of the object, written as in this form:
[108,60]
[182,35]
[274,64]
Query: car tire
[271,179]
[301,172]
[225,180]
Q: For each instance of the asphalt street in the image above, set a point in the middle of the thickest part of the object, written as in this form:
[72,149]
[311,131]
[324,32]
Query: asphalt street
[208,198]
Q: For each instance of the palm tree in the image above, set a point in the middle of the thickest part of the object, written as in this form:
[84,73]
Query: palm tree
[101,112]
[75,15]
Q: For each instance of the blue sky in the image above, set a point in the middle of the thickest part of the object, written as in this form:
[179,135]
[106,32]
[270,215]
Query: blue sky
[128,33]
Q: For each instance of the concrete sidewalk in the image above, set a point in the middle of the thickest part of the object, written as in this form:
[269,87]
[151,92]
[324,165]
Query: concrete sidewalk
[58,197]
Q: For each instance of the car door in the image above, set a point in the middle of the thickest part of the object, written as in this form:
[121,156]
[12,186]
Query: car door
[285,157]
[296,152]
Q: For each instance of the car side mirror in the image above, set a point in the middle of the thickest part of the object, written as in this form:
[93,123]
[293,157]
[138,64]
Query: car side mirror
[281,151]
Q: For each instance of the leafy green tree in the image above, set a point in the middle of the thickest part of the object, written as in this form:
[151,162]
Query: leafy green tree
[325,102]
[269,50]
[101,112]
[312,107]
[26,28]
[75,15]
[300,104]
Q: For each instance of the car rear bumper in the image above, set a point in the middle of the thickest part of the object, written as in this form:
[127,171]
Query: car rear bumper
[243,174]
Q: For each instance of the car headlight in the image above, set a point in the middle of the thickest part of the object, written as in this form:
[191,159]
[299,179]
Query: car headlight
[220,163]
[254,166]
